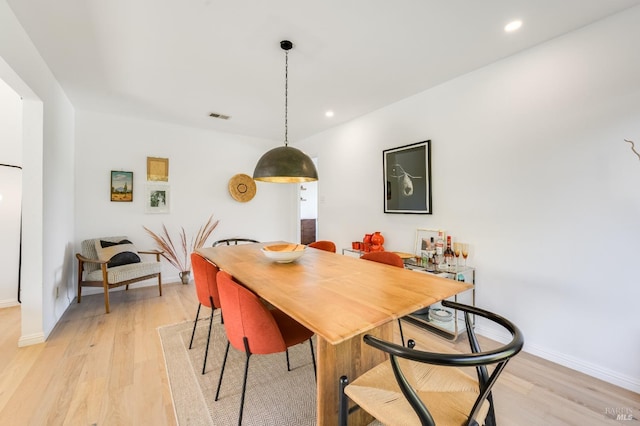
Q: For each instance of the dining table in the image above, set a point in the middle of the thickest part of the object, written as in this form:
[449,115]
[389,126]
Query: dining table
[340,298]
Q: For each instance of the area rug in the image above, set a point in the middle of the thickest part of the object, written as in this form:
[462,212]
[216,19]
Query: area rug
[274,395]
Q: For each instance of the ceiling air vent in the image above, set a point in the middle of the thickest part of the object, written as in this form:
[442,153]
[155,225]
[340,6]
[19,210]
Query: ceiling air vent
[220,116]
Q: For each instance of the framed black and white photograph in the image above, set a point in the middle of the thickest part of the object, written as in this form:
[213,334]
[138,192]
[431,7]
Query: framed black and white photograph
[157,200]
[407,179]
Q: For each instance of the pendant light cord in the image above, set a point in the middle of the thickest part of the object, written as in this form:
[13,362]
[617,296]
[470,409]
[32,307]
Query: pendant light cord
[286,97]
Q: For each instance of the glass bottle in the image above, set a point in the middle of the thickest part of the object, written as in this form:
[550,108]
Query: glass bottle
[440,249]
[448,253]
[432,255]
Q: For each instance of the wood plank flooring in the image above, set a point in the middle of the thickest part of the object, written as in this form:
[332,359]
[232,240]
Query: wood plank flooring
[98,369]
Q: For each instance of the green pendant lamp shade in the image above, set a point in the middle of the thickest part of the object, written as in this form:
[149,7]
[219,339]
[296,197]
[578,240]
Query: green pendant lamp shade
[285,164]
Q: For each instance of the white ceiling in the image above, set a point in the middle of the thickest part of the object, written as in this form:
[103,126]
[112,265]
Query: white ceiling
[179,60]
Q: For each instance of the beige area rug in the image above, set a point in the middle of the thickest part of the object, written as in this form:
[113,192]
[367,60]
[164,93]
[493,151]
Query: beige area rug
[274,395]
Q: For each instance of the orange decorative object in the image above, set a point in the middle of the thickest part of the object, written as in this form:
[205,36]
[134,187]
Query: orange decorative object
[377,238]
[366,243]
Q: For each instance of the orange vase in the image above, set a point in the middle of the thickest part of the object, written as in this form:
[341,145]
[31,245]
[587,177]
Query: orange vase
[366,243]
[377,238]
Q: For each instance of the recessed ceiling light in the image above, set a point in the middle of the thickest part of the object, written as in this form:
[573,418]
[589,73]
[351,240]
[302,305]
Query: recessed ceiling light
[329,114]
[512,26]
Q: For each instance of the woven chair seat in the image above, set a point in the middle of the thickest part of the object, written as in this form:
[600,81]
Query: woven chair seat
[448,393]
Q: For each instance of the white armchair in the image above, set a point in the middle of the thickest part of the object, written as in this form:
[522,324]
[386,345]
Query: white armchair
[111,262]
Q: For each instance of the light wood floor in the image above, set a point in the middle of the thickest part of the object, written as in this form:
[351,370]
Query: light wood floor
[98,369]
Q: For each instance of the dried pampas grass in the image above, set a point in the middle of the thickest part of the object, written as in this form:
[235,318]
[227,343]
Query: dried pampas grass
[180,259]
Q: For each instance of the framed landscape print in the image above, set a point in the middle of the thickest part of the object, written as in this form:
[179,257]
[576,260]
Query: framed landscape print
[121,186]
[407,179]
[157,199]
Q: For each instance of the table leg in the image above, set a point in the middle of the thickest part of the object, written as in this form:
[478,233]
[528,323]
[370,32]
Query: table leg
[350,358]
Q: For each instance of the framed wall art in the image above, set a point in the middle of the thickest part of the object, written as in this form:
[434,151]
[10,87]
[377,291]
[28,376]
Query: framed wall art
[423,243]
[157,199]
[158,169]
[121,186]
[407,179]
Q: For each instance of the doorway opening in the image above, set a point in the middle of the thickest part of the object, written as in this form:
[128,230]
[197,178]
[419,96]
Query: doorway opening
[21,116]
[308,208]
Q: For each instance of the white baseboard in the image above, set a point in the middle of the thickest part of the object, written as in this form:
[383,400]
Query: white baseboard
[602,373]
[31,339]
[8,303]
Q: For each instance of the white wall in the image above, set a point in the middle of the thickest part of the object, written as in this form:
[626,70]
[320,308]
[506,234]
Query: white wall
[200,165]
[10,126]
[10,192]
[530,167]
[47,140]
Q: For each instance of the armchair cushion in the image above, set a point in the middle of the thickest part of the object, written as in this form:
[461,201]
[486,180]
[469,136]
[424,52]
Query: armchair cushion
[125,272]
[88,250]
[117,253]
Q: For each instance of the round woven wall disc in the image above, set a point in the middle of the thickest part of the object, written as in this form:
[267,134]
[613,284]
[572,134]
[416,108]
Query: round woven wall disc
[242,187]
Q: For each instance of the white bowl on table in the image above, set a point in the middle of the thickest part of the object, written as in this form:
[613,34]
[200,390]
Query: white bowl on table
[284,253]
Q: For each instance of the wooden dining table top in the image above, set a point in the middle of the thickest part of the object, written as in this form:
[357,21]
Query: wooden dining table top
[335,296]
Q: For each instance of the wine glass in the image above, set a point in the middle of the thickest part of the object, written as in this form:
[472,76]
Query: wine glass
[456,251]
[465,252]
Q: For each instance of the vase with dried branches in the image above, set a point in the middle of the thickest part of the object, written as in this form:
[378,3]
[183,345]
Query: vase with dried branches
[179,256]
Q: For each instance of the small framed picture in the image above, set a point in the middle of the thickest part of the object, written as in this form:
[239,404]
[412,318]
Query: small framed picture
[425,240]
[407,179]
[157,200]
[121,186]
[158,169]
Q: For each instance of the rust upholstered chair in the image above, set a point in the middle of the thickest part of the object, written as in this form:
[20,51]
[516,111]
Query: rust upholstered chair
[324,245]
[426,388]
[253,328]
[111,262]
[204,275]
[388,258]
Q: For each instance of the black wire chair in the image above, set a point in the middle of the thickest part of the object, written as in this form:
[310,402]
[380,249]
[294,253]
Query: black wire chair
[427,388]
[234,241]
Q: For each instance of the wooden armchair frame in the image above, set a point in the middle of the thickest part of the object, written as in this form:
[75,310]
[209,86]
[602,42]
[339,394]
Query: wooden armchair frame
[105,284]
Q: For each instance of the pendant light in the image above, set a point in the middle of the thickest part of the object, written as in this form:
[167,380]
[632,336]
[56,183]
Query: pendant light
[285,164]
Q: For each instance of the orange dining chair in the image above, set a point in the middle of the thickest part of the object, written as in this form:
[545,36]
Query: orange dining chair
[205,275]
[324,245]
[253,328]
[389,258]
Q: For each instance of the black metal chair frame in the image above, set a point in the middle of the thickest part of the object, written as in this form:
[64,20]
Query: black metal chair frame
[246,371]
[233,241]
[477,358]
[193,333]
